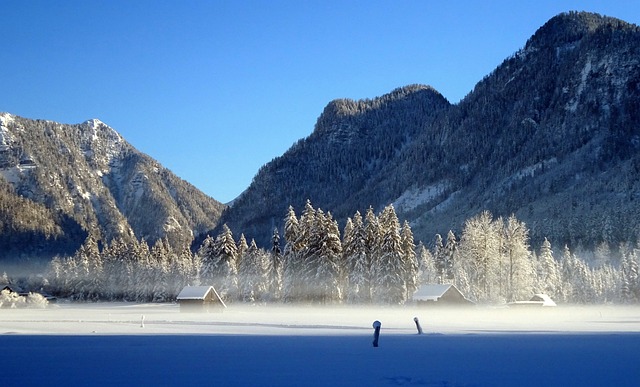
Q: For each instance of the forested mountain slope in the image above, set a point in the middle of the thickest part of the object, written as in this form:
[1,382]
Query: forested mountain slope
[551,135]
[353,141]
[59,183]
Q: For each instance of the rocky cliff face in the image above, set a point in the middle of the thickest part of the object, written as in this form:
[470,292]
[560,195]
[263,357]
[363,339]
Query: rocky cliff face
[81,179]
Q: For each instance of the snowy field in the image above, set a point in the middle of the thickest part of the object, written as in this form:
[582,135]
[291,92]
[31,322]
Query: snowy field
[119,344]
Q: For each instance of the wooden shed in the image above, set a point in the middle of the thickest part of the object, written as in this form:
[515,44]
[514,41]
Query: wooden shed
[440,294]
[200,299]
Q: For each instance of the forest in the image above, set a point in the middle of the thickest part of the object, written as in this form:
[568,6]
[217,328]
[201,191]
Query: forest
[372,260]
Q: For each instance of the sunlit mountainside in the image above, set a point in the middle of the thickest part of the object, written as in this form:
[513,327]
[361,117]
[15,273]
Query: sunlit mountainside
[551,135]
[59,183]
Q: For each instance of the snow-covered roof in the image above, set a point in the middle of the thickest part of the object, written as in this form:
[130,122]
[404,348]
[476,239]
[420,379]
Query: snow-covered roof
[545,299]
[431,292]
[195,292]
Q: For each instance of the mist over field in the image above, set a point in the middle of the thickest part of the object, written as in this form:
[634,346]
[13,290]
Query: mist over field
[154,344]
[126,318]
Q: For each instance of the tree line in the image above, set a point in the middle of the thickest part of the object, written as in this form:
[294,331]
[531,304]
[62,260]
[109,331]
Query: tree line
[372,260]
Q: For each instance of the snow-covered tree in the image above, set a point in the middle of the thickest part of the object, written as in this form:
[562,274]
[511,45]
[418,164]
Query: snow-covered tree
[548,278]
[206,256]
[427,269]
[241,248]
[480,253]
[630,287]
[440,259]
[276,267]
[224,269]
[292,265]
[410,261]
[388,270]
[357,261]
[450,253]
[519,276]
[329,256]
[253,274]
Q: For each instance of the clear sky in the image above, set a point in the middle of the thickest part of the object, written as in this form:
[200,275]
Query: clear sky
[215,89]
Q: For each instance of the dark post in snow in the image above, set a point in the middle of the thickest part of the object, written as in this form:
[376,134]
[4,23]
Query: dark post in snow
[376,332]
[415,319]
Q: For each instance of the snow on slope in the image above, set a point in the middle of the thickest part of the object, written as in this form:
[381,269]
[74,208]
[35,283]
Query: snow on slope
[111,344]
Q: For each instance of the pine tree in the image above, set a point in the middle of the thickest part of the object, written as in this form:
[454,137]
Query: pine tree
[309,242]
[389,269]
[629,286]
[440,258]
[224,269]
[161,254]
[427,269]
[372,243]
[548,271]
[410,260]
[276,266]
[291,264]
[241,248]
[567,267]
[329,256]
[357,261]
[450,252]
[253,274]
[206,255]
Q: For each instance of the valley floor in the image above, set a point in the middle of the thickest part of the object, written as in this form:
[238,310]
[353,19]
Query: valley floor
[154,344]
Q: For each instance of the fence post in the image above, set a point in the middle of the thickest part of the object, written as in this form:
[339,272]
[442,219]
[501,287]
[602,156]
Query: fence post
[415,319]
[376,332]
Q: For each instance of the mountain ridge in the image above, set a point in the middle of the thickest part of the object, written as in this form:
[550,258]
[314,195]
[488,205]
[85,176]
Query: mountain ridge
[558,113]
[88,176]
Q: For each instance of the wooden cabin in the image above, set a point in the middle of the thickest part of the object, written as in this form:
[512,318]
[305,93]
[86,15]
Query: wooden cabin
[200,299]
[440,294]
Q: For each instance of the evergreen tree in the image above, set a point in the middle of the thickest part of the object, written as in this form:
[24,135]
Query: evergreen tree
[329,256]
[427,269]
[276,266]
[309,241]
[253,274]
[440,259]
[629,286]
[357,261]
[548,271]
[410,260]
[450,252]
[389,285]
[206,256]
[161,255]
[373,240]
[292,264]
[224,269]
[241,248]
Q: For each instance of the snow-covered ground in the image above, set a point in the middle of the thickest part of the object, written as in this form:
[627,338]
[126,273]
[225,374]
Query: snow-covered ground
[154,344]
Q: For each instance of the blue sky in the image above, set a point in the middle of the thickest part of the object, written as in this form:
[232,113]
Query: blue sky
[215,89]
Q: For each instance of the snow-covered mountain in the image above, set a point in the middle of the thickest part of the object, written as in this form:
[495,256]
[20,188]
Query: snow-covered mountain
[551,135]
[61,182]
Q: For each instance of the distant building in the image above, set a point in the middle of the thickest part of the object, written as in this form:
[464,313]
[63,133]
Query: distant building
[9,288]
[440,294]
[537,300]
[200,299]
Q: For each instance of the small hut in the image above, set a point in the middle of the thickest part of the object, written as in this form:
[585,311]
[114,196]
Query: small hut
[537,300]
[200,299]
[440,294]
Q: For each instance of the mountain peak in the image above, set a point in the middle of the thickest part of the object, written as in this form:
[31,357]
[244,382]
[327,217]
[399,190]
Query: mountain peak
[569,27]
[94,122]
